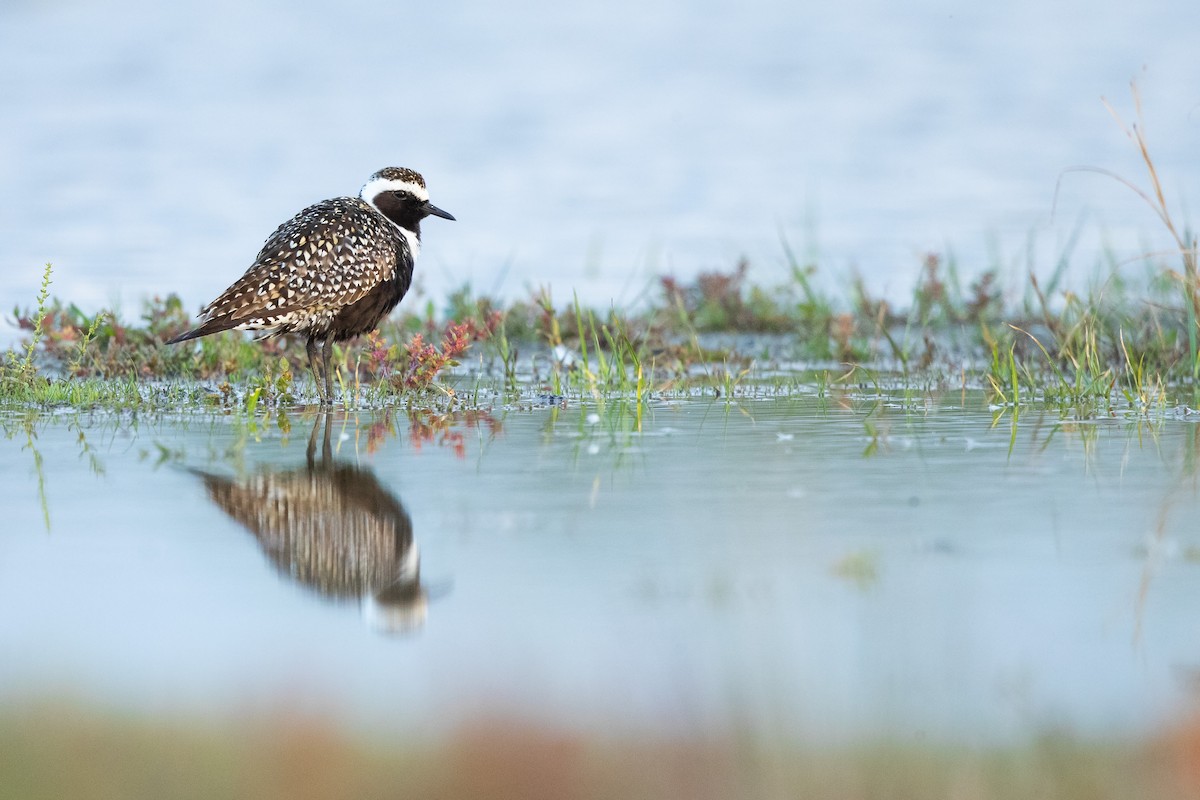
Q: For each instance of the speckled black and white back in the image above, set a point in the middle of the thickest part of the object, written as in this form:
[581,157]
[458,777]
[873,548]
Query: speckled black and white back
[334,270]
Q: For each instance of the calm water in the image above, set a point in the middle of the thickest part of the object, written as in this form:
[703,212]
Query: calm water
[768,566]
[583,147]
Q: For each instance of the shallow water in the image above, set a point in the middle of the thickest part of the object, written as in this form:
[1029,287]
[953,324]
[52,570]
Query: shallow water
[826,568]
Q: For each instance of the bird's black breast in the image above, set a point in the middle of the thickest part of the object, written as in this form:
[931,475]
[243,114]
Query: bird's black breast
[363,316]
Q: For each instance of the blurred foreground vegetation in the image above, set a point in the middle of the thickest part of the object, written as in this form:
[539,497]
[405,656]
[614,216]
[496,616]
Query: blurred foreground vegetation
[63,751]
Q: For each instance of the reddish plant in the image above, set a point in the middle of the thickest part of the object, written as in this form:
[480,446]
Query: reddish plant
[378,355]
[423,361]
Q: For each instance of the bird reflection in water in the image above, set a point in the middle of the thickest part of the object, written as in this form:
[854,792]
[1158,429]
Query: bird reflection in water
[331,527]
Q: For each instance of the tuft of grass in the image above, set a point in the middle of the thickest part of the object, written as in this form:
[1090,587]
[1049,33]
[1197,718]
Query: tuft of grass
[1185,241]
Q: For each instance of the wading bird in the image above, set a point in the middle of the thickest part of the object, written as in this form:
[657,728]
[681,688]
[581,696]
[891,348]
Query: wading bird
[331,272]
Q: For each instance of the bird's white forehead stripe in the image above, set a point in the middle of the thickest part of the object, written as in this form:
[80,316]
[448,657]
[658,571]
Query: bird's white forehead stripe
[377,185]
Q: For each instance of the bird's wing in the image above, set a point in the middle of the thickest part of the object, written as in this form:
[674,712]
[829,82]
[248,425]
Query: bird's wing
[326,257]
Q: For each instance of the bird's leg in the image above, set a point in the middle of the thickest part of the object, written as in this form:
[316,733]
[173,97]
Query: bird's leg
[326,353]
[311,347]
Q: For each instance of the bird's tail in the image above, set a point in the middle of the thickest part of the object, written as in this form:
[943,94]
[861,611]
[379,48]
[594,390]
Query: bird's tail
[194,333]
[210,326]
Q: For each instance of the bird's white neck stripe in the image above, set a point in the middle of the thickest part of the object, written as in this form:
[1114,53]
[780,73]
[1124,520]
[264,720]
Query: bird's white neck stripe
[414,244]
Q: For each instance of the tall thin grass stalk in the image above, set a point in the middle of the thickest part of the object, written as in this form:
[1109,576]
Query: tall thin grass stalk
[1156,199]
[27,368]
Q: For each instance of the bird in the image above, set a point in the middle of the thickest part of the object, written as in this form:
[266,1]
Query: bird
[331,272]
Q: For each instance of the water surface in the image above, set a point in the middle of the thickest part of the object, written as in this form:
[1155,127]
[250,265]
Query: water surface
[829,568]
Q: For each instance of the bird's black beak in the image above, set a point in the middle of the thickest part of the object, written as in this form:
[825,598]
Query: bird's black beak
[433,211]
